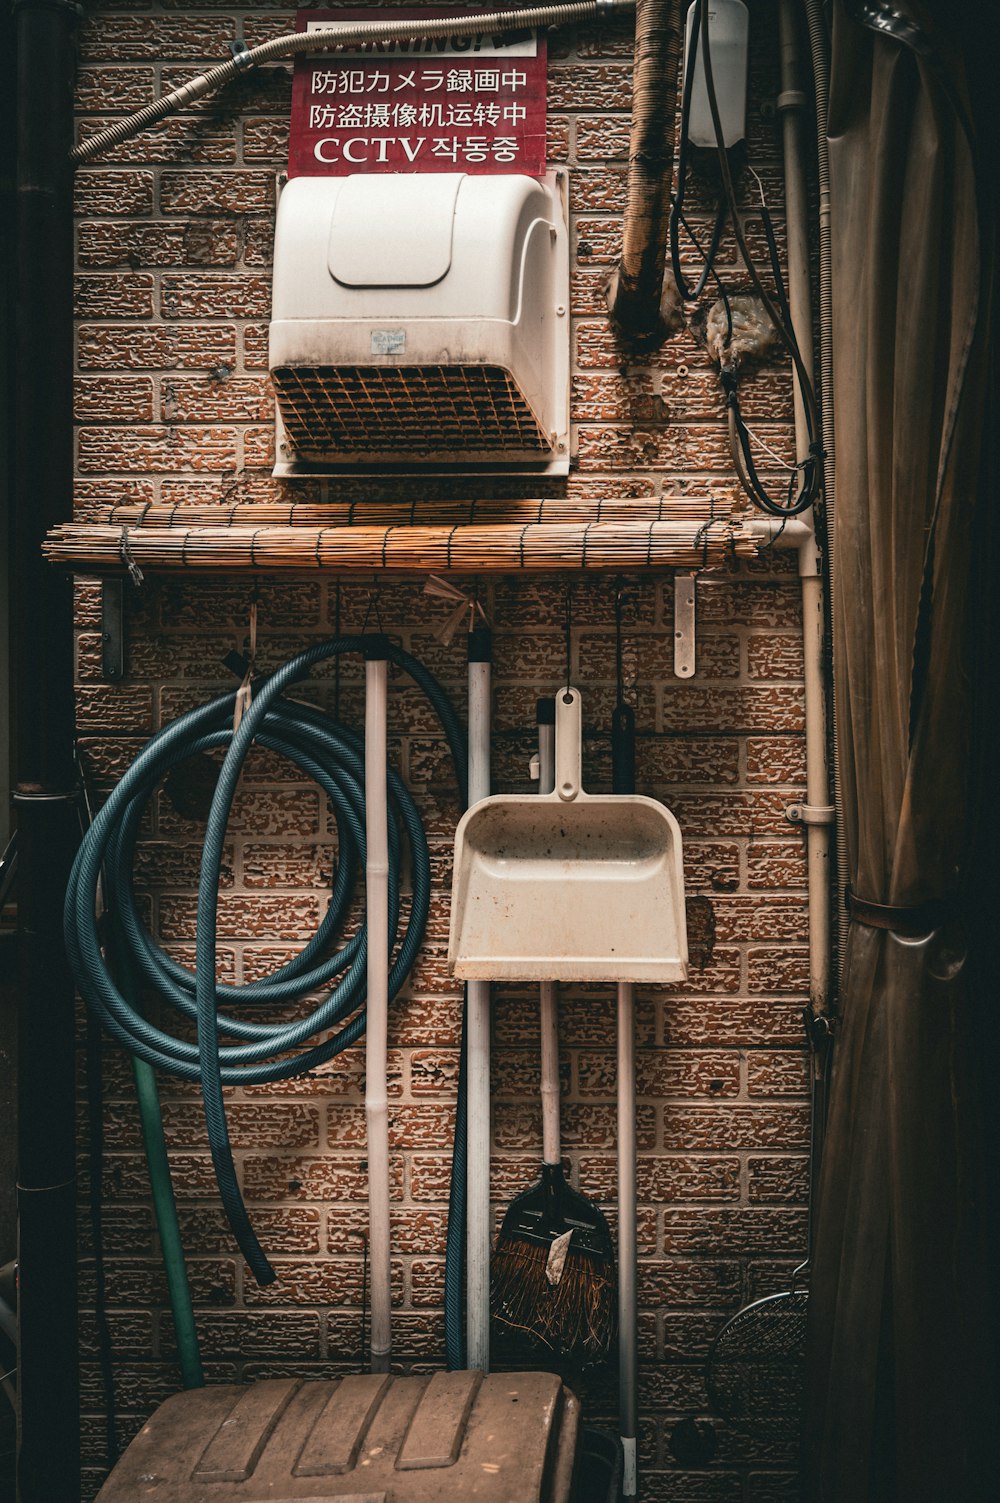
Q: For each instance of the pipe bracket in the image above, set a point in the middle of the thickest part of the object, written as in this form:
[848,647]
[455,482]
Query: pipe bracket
[790,99]
[240,53]
[809,814]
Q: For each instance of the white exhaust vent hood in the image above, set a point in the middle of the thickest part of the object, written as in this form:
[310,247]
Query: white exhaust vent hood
[421,323]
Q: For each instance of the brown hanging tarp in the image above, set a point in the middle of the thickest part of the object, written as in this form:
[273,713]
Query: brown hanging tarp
[903,1396]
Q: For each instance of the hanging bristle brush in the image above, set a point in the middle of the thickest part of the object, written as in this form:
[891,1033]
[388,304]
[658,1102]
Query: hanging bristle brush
[553,1276]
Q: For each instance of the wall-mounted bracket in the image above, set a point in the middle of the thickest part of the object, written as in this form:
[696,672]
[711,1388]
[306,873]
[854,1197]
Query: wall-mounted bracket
[113,630]
[238,51]
[684,625]
[809,814]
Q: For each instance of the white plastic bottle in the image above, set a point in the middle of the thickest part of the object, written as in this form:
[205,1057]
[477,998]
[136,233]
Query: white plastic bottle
[729,36]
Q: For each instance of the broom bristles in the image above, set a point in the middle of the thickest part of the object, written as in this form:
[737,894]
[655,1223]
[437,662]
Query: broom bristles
[577,1316]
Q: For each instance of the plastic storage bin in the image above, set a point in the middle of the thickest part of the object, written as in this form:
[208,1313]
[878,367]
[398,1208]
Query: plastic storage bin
[505,1438]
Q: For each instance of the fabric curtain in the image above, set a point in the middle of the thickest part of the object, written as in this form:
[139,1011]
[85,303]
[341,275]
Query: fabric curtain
[903,1395]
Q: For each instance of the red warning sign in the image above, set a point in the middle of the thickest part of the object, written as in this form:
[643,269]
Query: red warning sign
[432,104]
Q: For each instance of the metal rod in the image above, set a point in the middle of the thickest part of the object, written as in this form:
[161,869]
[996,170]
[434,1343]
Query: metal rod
[628,1352]
[478,1044]
[377,1024]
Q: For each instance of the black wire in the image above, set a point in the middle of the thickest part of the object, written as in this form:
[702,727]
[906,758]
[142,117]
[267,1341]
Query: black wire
[691,294]
[336,661]
[811,468]
[746,470]
[619,668]
[723,295]
[775,260]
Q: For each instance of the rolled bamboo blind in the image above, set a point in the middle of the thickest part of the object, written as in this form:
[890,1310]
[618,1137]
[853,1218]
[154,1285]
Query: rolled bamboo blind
[464,536]
[502,548]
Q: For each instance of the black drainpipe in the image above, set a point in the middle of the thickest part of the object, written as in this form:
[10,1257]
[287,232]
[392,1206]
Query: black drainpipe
[636,289]
[42,670]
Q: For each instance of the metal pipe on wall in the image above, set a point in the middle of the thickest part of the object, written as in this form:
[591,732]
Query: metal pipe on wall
[377,1006]
[477,1320]
[628,1267]
[818,50]
[42,620]
[817,815]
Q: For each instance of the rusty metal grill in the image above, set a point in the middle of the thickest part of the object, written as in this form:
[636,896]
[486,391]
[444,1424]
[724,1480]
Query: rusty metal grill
[414,410]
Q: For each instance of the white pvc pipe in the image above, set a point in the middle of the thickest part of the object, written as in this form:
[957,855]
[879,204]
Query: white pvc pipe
[821,90]
[791,105]
[772,532]
[377,1023]
[477,1279]
[628,1349]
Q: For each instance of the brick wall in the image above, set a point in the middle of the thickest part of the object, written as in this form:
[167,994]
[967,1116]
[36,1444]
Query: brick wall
[173,404]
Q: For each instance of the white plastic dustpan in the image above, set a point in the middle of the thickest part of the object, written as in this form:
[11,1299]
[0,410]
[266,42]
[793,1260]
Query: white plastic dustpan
[568,886]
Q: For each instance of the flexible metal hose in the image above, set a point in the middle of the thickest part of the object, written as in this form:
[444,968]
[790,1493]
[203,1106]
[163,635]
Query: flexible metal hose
[636,290]
[265,1050]
[320,41]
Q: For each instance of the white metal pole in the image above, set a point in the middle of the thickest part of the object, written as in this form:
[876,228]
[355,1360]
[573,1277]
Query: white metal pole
[548,996]
[817,813]
[376,1030]
[628,1351]
[477,1283]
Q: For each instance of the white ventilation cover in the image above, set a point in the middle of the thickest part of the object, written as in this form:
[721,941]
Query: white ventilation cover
[421,322]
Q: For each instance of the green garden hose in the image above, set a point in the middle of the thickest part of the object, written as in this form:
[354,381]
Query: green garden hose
[188,1351]
[263,1051]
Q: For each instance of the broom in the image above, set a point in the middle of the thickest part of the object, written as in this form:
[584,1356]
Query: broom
[553,1273]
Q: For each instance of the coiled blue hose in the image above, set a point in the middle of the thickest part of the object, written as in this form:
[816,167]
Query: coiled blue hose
[266,1051]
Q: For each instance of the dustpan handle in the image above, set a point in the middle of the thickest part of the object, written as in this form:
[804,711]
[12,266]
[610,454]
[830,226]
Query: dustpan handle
[548,997]
[623,749]
[569,736]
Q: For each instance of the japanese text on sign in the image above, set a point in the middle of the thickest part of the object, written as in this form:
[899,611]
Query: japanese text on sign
[376,108]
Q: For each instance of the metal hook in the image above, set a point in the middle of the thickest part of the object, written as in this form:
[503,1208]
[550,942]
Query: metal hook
[373,605]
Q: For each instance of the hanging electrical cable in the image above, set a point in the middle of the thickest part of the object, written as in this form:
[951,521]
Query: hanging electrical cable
[333,756]
[805,478]
[677,217]
[811,469]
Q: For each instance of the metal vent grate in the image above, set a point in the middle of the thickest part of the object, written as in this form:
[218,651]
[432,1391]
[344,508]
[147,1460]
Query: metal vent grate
[416,409]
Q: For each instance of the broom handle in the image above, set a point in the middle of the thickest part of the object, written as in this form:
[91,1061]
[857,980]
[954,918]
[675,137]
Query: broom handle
[548,997]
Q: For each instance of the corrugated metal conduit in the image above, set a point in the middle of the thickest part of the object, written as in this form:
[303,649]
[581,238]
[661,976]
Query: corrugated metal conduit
[635,294]
[319,41]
